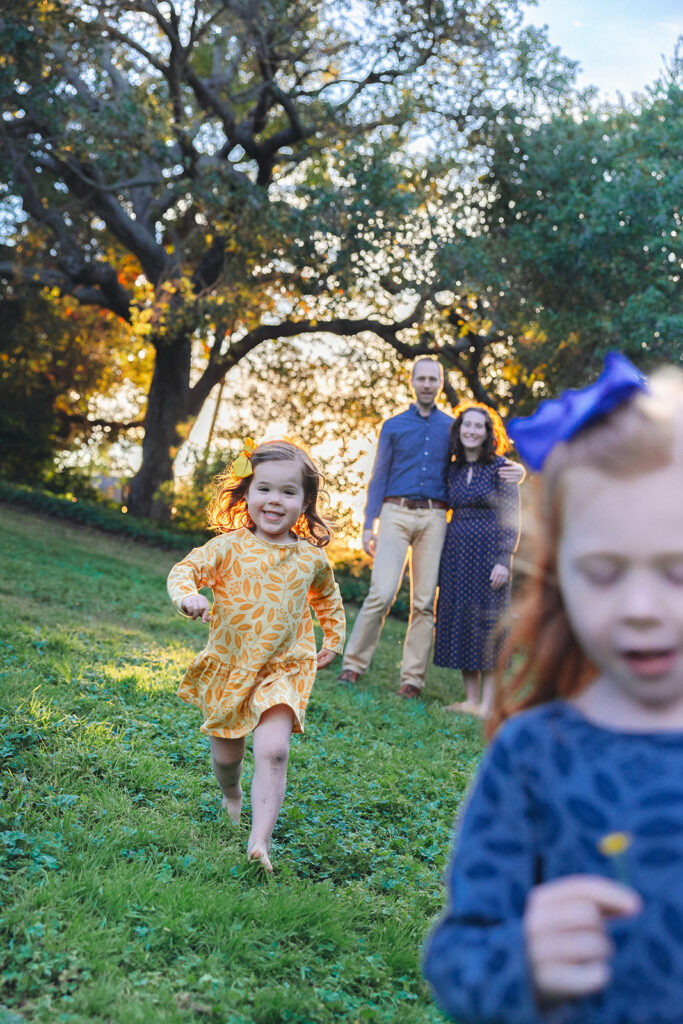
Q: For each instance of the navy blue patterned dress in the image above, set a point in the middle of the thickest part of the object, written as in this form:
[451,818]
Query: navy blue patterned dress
[551,786]
[483,531]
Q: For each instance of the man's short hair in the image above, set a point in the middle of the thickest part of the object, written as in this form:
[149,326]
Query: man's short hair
[426,359]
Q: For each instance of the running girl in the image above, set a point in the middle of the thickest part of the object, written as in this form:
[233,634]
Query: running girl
[257,670]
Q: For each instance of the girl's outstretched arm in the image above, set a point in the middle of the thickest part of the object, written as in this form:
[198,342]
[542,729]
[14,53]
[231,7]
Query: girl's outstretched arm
[200,568]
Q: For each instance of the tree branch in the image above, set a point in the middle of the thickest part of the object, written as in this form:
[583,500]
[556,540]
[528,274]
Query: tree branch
[91,284]
[133,236]
[115,426]
[108,29]
[344,327]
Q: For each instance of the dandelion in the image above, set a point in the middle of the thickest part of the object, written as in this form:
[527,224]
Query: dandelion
[615,845]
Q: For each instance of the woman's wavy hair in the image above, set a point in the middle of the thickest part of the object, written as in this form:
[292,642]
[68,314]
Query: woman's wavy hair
[640,436]
[228,507]
[496,441]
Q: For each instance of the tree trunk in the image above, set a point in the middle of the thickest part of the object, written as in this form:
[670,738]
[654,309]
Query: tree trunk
[166,408]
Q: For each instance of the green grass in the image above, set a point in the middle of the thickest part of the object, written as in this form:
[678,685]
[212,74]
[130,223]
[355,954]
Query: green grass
[125,893]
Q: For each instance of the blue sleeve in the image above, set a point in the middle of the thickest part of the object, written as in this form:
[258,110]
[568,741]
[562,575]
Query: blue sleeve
[377,488]
[475,958]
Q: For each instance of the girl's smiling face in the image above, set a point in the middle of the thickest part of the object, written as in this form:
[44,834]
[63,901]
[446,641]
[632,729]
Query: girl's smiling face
[275,499]
[620,566]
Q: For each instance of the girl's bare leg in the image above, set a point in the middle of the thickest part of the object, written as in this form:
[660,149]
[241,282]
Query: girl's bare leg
[227,756]
[271,752]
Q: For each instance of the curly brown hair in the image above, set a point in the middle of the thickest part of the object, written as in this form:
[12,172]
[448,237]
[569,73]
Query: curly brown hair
[495,443]
[228,507]
[643,434]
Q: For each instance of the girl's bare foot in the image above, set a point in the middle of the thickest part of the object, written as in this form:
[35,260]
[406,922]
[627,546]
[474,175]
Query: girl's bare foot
[257,854]
[233,805]
[464,707]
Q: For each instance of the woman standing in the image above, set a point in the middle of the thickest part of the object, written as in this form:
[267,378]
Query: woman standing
[482,534]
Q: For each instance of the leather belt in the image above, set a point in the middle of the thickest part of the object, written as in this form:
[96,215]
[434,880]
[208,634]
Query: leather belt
[417,502]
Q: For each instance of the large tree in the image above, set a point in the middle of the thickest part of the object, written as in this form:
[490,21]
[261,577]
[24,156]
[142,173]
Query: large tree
[268,168]
[577,245]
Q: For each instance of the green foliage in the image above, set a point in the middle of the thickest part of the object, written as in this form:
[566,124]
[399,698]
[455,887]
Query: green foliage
[98,516]
[580,251]
[125,892]
[288,173]
[55,357]
[37,360]
[74,482]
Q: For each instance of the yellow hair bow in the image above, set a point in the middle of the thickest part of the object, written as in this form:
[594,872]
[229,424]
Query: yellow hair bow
[242,467]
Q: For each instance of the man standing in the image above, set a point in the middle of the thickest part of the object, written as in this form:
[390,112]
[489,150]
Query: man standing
[407,492]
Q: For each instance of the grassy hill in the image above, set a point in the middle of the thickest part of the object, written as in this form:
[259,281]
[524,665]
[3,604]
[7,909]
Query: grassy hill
[125,893]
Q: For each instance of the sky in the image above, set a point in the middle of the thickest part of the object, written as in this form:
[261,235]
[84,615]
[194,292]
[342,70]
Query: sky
[618,43]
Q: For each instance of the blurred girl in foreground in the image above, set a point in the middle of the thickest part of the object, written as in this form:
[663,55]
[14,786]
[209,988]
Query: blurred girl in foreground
[565,892]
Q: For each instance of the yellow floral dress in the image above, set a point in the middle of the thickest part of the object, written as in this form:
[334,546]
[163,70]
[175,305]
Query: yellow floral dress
[261,649]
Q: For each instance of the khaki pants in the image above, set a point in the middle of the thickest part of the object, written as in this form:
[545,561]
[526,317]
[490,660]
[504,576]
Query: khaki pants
[419,533]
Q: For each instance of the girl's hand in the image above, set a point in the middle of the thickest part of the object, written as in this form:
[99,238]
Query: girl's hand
[195,605]
[568,948]
[511,472]
[500,574]
[325,657]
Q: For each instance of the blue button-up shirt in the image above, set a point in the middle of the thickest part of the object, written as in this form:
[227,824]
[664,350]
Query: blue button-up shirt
[411,460]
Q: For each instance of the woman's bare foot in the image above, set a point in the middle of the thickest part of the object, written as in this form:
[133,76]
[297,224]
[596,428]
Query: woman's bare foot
[464,707]
[233,805]
[258,854]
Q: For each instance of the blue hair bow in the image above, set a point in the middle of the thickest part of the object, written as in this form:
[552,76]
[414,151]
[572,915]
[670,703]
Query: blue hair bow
[558,419]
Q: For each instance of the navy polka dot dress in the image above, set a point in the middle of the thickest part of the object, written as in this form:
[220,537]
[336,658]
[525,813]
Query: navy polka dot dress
[552,785]
[482,532]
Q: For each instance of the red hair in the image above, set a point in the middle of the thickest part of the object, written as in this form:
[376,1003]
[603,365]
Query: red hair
[496,442]
[228,507]
[638,437]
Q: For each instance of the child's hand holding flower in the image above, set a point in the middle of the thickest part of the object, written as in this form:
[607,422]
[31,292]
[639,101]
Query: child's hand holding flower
[568,947]
[196,605]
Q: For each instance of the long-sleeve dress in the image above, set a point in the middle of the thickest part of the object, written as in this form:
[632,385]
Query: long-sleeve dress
[261,648]
[483,531]
[552,785]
